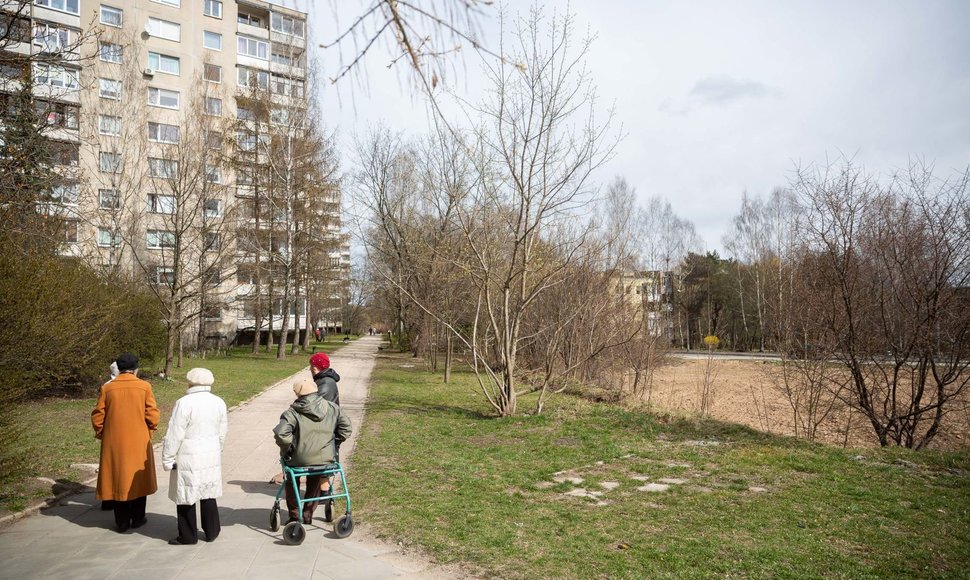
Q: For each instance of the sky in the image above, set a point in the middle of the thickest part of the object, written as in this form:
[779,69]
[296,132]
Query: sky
[719,98]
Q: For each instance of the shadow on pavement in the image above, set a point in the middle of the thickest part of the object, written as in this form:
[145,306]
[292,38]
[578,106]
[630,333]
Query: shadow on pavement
[261,487]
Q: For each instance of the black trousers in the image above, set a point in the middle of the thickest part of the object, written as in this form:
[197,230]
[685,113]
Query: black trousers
[188,527]
[129,512]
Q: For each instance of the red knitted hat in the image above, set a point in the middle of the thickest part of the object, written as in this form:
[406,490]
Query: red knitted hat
[320,360]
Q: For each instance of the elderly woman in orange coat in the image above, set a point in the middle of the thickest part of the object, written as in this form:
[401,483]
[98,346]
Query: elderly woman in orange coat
[124,419]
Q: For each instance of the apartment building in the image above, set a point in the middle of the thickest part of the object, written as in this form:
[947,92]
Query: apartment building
[150,101]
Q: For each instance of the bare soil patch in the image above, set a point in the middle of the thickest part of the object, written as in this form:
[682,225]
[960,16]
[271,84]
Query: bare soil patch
[744,393]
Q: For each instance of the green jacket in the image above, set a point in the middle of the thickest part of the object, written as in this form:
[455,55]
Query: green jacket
[309,429]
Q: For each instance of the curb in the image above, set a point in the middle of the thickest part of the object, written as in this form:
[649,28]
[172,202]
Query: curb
[52,501]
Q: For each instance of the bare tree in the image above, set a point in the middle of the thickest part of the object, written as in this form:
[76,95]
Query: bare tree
[186,252]
[894,263]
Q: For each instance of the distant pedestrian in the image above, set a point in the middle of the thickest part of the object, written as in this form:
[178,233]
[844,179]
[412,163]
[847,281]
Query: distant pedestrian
[317,333]
[124,419]
[193,453]
[307,434]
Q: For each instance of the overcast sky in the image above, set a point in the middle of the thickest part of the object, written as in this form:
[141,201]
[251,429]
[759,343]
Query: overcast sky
[720,97]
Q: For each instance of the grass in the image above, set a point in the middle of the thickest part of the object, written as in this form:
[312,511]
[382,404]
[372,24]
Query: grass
[58,430]
[434,469]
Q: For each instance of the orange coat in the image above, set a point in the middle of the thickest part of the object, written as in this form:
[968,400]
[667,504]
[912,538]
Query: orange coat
[124,419]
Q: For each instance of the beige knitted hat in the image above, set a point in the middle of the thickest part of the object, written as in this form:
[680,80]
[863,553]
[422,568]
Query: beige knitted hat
[304,387]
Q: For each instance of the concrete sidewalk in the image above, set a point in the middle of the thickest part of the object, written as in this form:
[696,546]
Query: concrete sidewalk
[76,540]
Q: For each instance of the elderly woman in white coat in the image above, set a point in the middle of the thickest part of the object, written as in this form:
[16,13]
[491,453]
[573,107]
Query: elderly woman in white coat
[192,451]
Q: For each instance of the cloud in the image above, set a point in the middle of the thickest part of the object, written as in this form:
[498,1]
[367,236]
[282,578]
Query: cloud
[718,91]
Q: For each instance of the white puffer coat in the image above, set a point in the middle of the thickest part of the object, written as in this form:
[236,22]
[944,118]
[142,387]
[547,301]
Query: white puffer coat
[193,446]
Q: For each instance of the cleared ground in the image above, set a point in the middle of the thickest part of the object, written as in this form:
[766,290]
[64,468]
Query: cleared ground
[745,393]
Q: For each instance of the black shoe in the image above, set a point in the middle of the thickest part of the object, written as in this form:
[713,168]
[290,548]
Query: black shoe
[179,542]
[307,520]
[139,523]
[211,538]
[122,529]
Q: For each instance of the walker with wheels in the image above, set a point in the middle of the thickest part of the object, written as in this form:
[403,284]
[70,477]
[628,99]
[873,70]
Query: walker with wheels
[294,533]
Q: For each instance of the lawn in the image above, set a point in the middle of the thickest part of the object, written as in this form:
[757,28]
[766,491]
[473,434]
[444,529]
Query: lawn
[58,430]
[433,469]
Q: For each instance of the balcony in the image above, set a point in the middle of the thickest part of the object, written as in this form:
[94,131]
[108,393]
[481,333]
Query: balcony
[252,30]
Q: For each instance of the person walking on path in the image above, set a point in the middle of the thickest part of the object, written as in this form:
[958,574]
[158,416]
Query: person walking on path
[124,419]
[192,452]
[307,435]
[325,377]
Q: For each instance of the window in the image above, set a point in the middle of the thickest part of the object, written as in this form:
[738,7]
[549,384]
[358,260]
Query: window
[212,8]
[249,19]
[109,162]
[71,231]
[212,40]
[71,6]
[287,25]
[163,168]
[213,208]
[109,125]
[252,47]
[164,63]
[158,239]
[65,194]
[14,29]
[279,117]
[213,277]
[55,76]
[163,133]
[111,16]
[109,89]
[61,115]
[212,73]
[213,312]
[287,86]
[107,239]
[212,175]
[109,199]
[245,114]
[279,58]
[213,106]
[164,204]
[65,153]
[164,29]
[246,141]
[244,177]
[248,77]
[110,52]
[213,140]
[163,275]
[53,38]
[176,3]
[213,242]
[163,98]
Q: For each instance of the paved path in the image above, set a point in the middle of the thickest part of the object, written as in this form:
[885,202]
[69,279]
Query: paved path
[75,539]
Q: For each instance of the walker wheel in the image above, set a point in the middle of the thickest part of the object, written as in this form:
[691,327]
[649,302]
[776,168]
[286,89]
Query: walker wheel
[328,511]
[274,518]
[293,534]
[344,526]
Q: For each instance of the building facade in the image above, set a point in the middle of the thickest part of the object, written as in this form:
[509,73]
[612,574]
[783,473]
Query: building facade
[183,126]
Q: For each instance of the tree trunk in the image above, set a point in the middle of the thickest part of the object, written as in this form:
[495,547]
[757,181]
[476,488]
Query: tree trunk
[448,349]
[285,324]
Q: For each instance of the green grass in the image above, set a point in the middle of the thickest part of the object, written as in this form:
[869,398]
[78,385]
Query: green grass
[434,469]
[58,430]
